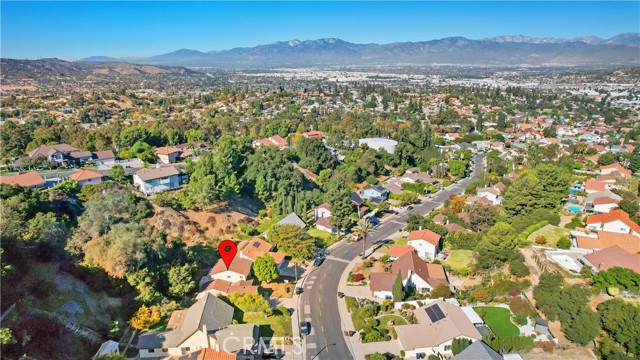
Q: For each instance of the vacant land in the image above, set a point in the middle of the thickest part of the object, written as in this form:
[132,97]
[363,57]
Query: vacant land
[499,321]
[551,233]
[460,260]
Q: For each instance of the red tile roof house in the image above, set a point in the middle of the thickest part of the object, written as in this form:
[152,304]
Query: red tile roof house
[616,221]
[223,287]
[254,248]
[397,251]
[588,243]
[592,186]
[426,243]
[313,134]
[31,180]
[275,140]
[86,177]
[239,270]
[615,169]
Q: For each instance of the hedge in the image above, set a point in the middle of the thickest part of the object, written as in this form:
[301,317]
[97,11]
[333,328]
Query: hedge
[522,239]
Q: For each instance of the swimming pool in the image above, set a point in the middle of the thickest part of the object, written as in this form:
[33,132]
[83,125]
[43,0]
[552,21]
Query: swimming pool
[574,208]
[574,191]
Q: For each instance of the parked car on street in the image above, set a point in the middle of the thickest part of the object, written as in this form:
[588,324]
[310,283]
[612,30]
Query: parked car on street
[305,328]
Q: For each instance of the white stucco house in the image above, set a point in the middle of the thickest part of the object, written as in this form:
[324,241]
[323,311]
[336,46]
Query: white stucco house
[426,243]
[158,179]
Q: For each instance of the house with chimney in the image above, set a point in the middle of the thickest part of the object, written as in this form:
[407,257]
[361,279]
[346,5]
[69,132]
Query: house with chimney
[417,273]
[57,154]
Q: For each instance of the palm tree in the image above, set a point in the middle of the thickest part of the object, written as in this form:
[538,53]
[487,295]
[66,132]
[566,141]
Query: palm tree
[363,228]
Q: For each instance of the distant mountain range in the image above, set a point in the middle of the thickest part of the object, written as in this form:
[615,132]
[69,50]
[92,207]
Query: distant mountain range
[623,49]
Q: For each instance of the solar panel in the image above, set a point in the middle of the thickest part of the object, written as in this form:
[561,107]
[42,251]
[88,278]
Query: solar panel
[256,244]
[435,313]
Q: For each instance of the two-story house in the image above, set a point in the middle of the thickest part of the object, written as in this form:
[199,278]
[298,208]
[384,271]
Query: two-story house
[158,179]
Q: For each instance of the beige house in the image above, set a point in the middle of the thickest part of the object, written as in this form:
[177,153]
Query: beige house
[167,154]
[438,324]
[207,324]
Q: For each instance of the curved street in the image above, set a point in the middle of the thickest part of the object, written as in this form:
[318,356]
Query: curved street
[318,303]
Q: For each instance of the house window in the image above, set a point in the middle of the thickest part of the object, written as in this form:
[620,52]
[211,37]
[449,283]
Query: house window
[151,350]
[447,348]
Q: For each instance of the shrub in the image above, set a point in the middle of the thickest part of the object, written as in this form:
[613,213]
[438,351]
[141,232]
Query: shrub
[521,319]
[358,278]
[564,243]
[519,306]
[541,240]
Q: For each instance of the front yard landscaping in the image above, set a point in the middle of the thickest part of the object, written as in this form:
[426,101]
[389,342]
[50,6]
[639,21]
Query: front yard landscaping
[278,324]
[326,239]
[499,320]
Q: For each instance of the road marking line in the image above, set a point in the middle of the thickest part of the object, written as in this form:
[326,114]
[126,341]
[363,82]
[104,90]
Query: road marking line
[311,346]
[307,309]
[338,259]
[314,277]
[310,282]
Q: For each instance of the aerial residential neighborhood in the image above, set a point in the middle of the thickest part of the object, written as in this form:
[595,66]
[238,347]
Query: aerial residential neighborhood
[430,185]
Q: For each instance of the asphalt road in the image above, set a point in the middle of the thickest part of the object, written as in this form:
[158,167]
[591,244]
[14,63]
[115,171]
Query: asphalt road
[319,301]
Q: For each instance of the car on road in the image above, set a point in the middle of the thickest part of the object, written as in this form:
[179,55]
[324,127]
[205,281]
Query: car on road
[409,207]
[318,261]
[298,290]
[273,354]
[305,328]
[340,294]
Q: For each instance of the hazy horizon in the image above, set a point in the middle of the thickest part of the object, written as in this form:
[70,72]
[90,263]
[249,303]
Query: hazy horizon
[76,30]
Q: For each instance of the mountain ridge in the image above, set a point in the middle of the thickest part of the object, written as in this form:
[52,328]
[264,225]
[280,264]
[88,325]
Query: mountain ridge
[622,49]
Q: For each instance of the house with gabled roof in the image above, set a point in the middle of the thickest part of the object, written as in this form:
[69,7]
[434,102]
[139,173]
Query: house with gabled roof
[31,180]
[275,140]
[426,243]
[56,154]
[479,350]
[158,179]
[105,157]
[255,248]
[439,322]
[167,154]
[613,256]
[417,273]
[616,221]
[207,324]
[86,177]
[616,169]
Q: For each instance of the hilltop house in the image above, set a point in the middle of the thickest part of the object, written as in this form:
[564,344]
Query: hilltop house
[31,180]
[158,179]
[207,324]
[375,193]
[86,177]
[56,154]
[167,154]
[275,140]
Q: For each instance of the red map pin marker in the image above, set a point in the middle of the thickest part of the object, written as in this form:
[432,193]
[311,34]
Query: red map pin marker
[227,250]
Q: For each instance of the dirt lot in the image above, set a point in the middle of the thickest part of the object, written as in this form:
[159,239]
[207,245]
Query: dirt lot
[377,267]
[577,353]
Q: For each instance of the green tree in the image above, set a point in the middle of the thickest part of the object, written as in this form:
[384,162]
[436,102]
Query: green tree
[265,268]
[112,356]
[341,208]
[132,134]
[481,216]
[564,242]
[440,291]
[459,344]
[524,195]
[181,279]
[497,246]
[46,228]
[398,289]
[293,241]
[619,277]
[457,168]
[6,336]
[363,229]
[621,320]
[67,187]
[117,173]
[584,327]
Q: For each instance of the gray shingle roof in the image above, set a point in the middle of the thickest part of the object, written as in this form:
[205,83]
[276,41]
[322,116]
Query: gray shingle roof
[209,311]
[292,219]
[478,351]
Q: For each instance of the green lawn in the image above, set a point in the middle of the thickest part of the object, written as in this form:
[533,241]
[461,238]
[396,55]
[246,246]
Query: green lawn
[398,320]
[401,241]
[325,238]
[499,321]
[460,260]
[551,232]
[278,324]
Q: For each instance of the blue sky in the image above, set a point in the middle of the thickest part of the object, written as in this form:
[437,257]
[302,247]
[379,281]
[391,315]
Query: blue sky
[73,30]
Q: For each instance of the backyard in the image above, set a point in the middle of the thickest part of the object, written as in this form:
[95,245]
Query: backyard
[499,320]
[460,260]
[551,233]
